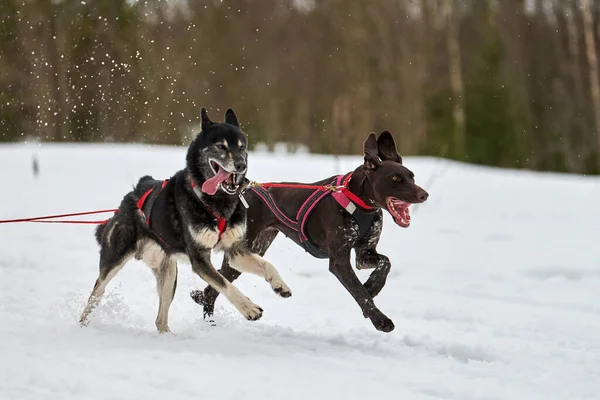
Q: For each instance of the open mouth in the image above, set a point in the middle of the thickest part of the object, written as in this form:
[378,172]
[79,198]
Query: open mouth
[229,185]
[224,179]
[399,211]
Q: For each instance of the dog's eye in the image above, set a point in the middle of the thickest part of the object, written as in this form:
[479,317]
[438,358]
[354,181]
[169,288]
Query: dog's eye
[221,146]
[397,178]
[242,148]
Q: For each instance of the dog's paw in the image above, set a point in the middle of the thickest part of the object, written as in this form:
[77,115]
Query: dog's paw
[163,329]
[383,323]
[283,290]
[250,311]
[279,287]
[208,315]
[197,296]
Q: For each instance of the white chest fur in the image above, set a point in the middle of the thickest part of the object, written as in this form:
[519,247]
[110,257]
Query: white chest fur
[209,238]
[205,237]
[232,235]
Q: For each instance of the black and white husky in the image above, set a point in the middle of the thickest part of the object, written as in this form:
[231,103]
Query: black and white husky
[184,218]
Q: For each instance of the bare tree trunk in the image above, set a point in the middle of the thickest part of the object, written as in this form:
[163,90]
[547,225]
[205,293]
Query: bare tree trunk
[456,80]
[40,81]
[421,64]
[340,124]
[570,138]
[56,72]
[573,36]
[592,58]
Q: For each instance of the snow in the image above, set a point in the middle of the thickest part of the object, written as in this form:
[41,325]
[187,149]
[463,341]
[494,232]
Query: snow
[493,290]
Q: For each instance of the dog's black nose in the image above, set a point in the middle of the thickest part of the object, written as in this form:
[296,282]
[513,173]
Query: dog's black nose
[423,196]
[240,166]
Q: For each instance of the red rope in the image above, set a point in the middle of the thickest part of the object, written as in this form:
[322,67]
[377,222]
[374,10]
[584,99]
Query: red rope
[44,218]
[294,185]
[100,222]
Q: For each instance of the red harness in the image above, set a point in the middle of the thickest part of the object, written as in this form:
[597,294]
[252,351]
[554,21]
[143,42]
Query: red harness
[342,189]
[142,200]
[338,189]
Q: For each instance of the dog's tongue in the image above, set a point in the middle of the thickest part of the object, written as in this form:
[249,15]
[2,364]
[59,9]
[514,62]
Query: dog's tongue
[211,185]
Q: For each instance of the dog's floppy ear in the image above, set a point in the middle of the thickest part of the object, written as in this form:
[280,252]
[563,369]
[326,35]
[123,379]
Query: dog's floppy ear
[371,153]
[387,147]
[206,122]
[231,118]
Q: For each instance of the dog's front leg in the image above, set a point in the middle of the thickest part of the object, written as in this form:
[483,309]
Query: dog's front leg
[339,265]
[202,266]
[370,258]
[258,243]
[367,257]
[207,297]
[242,259]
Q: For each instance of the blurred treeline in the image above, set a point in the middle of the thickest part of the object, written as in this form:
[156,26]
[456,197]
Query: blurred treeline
[502,82]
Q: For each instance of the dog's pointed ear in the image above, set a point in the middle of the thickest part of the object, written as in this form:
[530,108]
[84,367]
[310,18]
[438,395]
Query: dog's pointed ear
[206,122]
[371,152]
[231,118]
[387,147]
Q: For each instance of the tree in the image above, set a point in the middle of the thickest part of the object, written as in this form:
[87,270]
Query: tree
[588,27]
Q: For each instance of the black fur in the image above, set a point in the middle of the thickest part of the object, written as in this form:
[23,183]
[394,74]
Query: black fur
[331,228]
[188,220]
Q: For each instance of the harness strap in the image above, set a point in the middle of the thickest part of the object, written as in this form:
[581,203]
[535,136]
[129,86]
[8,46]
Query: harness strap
[269,201]
[354,198]
[147,200]
[305,210]
[142,200]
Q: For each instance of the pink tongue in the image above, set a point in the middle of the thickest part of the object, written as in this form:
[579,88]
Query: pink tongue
[211,185]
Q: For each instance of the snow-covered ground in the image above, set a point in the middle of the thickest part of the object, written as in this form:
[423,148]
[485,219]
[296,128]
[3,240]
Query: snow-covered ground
[494,290]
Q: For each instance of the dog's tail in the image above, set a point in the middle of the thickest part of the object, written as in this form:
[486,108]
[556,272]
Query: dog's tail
[145,178]
[129,202]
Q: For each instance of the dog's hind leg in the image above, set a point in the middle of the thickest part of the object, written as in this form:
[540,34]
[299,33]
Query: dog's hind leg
[109,267]
[117,246]
[166,284]
[165,271]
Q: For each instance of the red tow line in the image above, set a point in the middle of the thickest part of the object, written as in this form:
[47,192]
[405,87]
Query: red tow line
[44,219]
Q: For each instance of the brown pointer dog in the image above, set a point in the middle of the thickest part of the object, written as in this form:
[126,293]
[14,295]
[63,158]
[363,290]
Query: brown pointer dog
[331,230]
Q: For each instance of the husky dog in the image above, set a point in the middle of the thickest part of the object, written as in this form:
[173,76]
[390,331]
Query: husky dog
[184,218]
